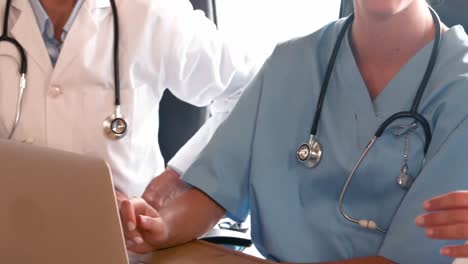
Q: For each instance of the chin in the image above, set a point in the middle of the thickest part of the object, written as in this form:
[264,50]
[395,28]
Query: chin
[382,8]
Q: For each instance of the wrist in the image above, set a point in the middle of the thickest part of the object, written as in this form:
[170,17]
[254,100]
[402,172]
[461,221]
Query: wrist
[172,172]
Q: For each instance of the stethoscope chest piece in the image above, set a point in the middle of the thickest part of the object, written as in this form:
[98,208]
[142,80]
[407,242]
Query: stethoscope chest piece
[115,125]
[310,153]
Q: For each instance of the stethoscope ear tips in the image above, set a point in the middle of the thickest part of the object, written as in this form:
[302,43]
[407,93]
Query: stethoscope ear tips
[310,153]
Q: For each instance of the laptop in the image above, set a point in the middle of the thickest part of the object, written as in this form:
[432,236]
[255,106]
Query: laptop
[57,207]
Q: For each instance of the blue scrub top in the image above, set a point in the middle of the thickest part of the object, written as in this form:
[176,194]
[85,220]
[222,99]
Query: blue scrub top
[251,164]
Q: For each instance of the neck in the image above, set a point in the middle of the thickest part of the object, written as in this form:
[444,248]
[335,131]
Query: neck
[383,37]
[383,44]
[59,11]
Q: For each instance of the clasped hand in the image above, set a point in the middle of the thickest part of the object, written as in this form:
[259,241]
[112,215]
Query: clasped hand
[144,227]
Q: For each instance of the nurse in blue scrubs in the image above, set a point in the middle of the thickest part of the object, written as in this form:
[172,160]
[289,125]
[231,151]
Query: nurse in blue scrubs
[251,165]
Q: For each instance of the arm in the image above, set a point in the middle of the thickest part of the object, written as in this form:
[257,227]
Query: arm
[201,68]
[184,218]
[165,187]
[221,172]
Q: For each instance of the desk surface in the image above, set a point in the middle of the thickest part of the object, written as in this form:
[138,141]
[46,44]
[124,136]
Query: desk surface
[198,252]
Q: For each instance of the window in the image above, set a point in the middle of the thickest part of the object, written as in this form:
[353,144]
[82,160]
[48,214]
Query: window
[257,25]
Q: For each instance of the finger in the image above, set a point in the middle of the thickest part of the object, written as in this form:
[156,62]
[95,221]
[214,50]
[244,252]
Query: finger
[128,218]
[149,211]
[152,225]
[142,248]
[448,217]
[453,200]
[455,231]
[127,213]
[153,229]
[455,251]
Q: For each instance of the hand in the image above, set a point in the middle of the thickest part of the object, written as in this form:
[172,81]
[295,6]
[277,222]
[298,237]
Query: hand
[144,229]
[447,219]
[164,188]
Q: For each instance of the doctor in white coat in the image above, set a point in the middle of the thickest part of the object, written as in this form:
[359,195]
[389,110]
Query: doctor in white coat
[70,81]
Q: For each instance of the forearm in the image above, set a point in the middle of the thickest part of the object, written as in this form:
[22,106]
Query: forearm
[189,216]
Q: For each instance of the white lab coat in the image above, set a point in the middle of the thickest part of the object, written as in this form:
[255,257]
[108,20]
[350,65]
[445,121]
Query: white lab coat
[163,44]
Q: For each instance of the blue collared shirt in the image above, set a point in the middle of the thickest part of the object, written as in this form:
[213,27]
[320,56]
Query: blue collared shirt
[47,28]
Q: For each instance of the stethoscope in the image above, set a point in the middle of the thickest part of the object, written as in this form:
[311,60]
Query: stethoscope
[115,125]
[310,153]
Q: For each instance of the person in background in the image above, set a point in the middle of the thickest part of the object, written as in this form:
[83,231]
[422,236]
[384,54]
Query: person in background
[164,44]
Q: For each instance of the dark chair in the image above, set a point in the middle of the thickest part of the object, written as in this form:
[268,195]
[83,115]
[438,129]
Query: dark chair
[452,12]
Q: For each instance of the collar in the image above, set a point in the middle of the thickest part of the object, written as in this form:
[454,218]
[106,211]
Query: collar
[89,4]
[96,4]
[44,22]
[41,16]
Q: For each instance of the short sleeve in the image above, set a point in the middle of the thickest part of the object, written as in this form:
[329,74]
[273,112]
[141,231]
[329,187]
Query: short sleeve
[222,169]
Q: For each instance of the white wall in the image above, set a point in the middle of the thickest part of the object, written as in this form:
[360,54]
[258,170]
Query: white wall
[249,24]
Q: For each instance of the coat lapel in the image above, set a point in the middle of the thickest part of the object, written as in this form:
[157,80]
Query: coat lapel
[25,30]
[83,29]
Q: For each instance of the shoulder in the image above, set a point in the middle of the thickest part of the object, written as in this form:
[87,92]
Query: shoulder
[165,18]
[452,63]
[156,8]
[445,101]
[301,60]
[449,80]
[158,20]
[298,64]
[315,47]
[453,58]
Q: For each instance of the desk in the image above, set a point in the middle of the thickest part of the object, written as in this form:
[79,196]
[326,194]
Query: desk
[198,252]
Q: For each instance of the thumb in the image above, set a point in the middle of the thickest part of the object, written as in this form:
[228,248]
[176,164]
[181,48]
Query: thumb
[150,224]
[154,230]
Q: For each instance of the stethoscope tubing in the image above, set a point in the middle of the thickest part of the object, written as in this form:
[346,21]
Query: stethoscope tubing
[24,62]
[400,115]
[412,114]
[22,69]
[328,74]
[116,54]
[363,223]
[4,37]
[24,66]
[19,105]
[432,61]
[419,93]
